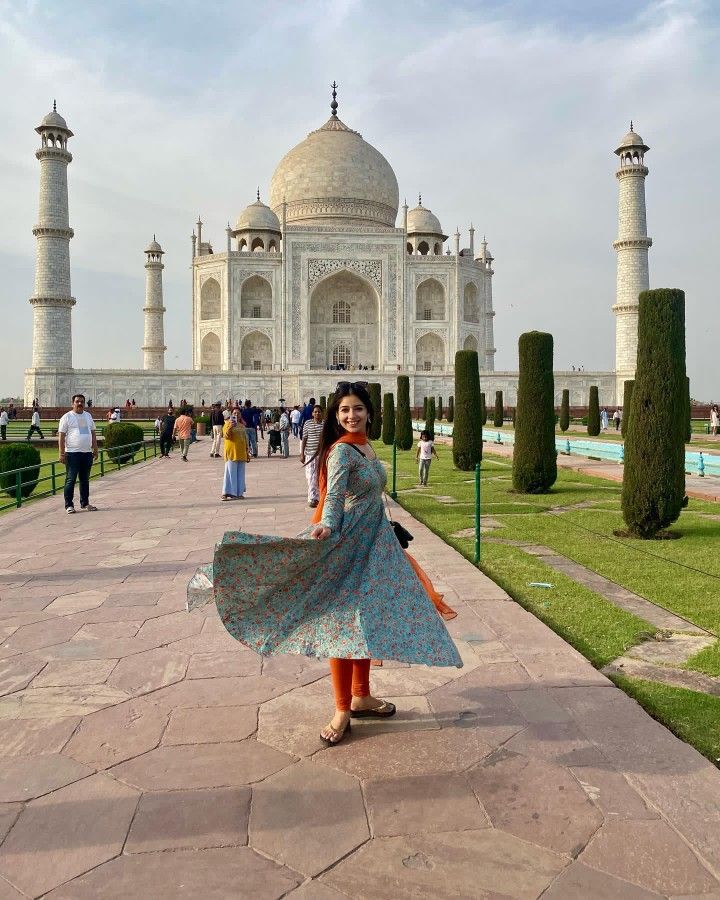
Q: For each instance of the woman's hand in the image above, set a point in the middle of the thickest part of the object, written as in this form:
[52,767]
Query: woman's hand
[320,532]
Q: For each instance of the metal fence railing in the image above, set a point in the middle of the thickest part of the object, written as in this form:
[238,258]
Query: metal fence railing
[52,474]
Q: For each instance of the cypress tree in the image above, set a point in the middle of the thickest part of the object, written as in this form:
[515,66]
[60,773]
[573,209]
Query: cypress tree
[688,415]
[654,480]
[388,420]
[627,403]
[451,408]
[374,390]
[403,419]
[565,410]
[535,456]
[483,409]
[425,407]
[430,421]
[513,410]
[498,417]
[467,429]
[439,410]
[593,417]
[323,404]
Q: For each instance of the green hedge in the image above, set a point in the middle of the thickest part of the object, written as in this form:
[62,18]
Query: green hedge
[534,455]
[467,428]
[126,435]
[451,409]
[593,416]
[627,403]
[19,456]
[430,420]
[483,409]
[565,410]
[388,420]
[439,409]
[653,488]
[498,417]
[374,390]
[403,418]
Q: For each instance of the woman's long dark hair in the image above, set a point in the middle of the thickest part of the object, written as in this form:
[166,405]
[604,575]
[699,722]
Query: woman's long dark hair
[332,429]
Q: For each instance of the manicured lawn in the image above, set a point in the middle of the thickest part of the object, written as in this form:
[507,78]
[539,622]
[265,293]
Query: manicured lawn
[692,716]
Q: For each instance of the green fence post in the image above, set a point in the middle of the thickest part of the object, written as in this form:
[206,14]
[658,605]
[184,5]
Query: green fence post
[18,489]
[393,492]
[477,514]
[144,450]
[102,463]
[54,486]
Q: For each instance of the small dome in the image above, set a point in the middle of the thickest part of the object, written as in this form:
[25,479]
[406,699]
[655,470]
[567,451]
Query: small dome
[632,140]
[422,221]
[154,247]
[54,120]
[257,217]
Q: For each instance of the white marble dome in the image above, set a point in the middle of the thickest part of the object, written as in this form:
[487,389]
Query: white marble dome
[423,221]
[257,217]
[334,176]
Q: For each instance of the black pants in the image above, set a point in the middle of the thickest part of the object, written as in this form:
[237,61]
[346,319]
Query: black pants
[3,432]
[165,443]
[77,465]
[32,429]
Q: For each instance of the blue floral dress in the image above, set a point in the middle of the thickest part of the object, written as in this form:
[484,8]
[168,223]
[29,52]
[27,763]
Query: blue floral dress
[353,595]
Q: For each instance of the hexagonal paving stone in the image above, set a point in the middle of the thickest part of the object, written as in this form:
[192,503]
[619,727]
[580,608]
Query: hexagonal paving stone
[202,765]
[307,817]
[22,778]
[8,892]
[579,881]
[464,702]
[41,634]
[16,674]
[214,725]
[612,794]
[293,721]
[213,665]
[56,702]
[148,671]
[210,874]
[110,736]
[422,803]
[447,865]
[171,627]
[79,602]
[8,816]
[247,691]
[295,669]
[649,854]
[312,890]
[559,742]
[407,753]
[193,820]
[66,673]
[30,737]
[66,833]
[536,801]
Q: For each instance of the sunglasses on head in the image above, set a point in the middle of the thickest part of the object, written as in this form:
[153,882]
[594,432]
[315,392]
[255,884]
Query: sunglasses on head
[351,385]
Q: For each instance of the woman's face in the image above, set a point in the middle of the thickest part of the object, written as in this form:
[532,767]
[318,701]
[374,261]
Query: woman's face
[317,414]
[352,414]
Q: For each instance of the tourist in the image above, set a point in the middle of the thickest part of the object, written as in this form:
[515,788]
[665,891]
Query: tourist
[158,423]
[357,595]
[284,422]
[217,421]
[617,417]
[248,417]
[296,417]
[604,419]
[308,454]
[714,419]
[4,419]
[167,426]
[307,412]
[425,452]
[115,415]
[235,451]
[78,448]
[35,422]
[127,403]
[182,430]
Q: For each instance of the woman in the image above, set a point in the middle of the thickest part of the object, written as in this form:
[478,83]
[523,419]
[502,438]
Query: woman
[311,433]
[714,419]
[235,451]
[353,595]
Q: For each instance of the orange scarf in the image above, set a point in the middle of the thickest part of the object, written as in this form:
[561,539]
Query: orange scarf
[354,438]
[350,437]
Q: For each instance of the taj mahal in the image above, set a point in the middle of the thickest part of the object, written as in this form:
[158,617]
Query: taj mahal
[330,275]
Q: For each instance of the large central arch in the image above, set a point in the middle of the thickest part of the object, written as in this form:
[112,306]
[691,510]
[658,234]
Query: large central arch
[344,312]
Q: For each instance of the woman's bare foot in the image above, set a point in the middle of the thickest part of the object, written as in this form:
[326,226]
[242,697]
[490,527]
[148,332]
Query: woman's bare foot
[334,732]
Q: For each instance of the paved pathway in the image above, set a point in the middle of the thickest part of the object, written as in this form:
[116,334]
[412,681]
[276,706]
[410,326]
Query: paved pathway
[146,754]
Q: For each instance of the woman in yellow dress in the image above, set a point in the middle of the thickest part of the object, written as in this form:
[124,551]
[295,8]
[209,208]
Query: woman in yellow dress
[235,451]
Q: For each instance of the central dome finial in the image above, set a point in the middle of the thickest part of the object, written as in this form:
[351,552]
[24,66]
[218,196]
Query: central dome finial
[334,104]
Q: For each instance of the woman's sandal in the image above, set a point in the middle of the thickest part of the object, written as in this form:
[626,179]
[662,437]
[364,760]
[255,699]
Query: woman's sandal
[337,736]
[384,711]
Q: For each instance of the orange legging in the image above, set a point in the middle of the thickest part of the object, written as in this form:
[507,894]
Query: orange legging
[350,678]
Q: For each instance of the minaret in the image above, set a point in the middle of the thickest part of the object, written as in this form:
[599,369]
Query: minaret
[487,260]
[52,302]
[154,344]
[632,246]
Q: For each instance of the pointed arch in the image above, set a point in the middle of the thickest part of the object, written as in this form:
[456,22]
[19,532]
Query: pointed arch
[210,359]
[429,353]
[256,352]
[210,295]
[256,298]
[470,343]
[471,307]
[430,301]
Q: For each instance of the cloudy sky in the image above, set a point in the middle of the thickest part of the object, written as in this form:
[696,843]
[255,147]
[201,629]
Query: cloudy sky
[505,114]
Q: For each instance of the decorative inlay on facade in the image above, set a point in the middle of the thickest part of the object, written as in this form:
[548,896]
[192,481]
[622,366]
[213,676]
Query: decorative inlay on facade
[53,301]
[626,243]
[243,330]
[206,276]
[368,268]
[336,207]
[47,231]
[243,274]
[442,277]
[347,227]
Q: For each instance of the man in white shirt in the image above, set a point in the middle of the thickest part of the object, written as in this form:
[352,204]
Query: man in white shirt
[35,425]
[284,432]
[295,420]
[78,448]
[3,423]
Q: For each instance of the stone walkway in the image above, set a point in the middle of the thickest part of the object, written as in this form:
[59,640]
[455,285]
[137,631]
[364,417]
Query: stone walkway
[146,754]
